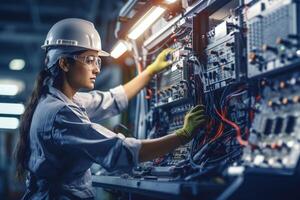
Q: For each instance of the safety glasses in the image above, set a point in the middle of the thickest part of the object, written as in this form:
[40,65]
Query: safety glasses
[89,60]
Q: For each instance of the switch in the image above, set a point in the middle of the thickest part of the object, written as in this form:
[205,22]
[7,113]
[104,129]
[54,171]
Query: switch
[210,75]
[290,125]
[268,126]
[278,126]
[214,75]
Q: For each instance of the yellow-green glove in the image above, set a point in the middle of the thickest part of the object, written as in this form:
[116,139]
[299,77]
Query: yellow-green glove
[160,62]
[192,121]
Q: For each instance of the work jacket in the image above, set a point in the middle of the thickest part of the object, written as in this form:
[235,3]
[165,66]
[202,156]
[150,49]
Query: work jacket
[66,139]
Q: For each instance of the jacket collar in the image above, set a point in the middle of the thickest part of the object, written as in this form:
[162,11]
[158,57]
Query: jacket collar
[58,94]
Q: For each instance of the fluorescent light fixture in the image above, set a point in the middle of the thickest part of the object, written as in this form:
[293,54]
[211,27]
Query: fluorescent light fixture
[11,108]
[145,22]
[170,1]
[10,87]
[9,123]
[118,50]
[17,64]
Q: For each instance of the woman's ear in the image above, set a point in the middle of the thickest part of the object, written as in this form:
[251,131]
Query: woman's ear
[63,64]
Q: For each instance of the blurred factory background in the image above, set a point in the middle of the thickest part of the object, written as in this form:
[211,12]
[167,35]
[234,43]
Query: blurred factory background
[23,28]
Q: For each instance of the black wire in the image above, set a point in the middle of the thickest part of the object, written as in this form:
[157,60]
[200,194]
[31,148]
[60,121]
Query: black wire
[230,155]
[211,106]
[204,147]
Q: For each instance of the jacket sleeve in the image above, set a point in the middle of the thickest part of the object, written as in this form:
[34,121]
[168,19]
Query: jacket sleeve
[101,105]
[74,133]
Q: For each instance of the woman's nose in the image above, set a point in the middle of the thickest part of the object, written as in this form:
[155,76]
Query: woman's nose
[96,69]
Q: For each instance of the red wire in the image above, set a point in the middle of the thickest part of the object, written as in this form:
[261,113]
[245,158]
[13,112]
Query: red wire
[251,115]
[236,127]
[221,125]
[219,131]
[220,128]
[247,132]
[150,93]
[257,98]
[208,129]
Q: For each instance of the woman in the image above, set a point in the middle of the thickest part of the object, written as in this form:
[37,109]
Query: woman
[59,134]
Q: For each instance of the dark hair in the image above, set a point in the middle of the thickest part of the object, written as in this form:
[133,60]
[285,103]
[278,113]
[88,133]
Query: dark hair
[23,150]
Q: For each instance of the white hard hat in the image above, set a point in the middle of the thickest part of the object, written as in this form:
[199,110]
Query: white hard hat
[74,32]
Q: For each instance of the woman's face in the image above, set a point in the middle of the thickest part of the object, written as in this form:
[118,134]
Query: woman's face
[83,72]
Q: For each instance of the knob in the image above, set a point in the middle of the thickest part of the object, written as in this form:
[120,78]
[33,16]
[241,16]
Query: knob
[267,82]
[272,104]
[285,100]
[296,99]
[223,60]
[214,52]
[229,44]
[215,63]
[254,58]
[282,85]
[270,48]
[283,42]
[294,37]
[175,87]
[227,68]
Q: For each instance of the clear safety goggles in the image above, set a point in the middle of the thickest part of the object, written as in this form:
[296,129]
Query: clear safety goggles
[89,60]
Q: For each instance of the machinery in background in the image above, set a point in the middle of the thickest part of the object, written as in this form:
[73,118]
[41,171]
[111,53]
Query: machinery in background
[273,36]
[240,59]
[224,58]
[273,43]
[172,94]
[274,131]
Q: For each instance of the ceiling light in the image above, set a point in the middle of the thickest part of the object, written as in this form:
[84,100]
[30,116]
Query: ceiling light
[119,49]
[17,64]
[170,1]
[11,108]
[9,123]
[145,22]
[10,87]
